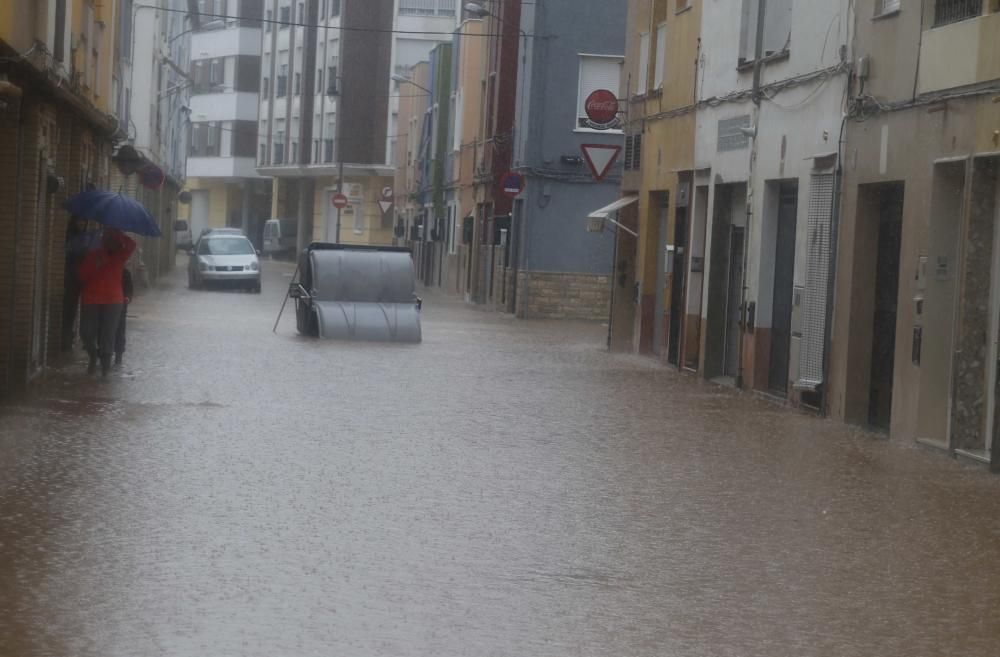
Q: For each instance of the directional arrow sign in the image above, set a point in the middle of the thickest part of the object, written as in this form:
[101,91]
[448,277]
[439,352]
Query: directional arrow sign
[600,158]
[385,205]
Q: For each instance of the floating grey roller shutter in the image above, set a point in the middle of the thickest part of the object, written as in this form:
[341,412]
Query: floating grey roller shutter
[813,346]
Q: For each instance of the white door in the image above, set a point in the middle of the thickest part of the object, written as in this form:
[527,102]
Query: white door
[199,212]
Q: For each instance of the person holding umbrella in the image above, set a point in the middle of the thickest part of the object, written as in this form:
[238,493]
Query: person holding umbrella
[102,297]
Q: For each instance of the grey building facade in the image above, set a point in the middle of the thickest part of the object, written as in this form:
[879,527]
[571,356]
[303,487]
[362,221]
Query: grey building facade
[556,267]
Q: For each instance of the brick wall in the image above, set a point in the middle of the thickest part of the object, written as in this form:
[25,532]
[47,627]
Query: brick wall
[54,140]
[558,295]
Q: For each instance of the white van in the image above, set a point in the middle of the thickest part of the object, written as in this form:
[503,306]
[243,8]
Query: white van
[280,236]
[182,236]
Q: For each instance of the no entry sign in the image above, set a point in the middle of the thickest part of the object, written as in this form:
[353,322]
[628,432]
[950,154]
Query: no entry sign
[339,201]
[513,184]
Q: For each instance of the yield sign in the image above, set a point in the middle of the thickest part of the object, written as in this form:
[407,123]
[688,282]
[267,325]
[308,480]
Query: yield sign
[600,158]
[385,205]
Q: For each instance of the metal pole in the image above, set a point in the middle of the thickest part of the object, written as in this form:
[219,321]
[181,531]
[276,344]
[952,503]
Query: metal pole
[340,153]
[758,65]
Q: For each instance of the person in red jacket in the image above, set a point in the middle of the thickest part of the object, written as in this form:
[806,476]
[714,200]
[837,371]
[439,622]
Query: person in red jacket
[102,297]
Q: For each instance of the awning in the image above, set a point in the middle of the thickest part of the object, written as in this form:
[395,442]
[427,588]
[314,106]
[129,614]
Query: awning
[606,212]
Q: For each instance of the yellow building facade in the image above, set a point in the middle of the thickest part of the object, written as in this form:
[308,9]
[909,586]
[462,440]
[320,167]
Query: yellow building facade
[650,309]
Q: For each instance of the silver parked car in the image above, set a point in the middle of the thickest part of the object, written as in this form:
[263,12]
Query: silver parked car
[224,259]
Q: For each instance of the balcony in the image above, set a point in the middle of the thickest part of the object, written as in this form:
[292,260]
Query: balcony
[226,43]
[233,106]
[221,167]
[961,51]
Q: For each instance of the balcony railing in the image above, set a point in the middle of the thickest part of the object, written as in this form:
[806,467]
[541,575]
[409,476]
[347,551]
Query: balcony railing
[953,11]
[427,7]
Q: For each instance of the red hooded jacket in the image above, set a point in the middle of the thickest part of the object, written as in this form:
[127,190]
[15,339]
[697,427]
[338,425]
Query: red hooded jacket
[101,273]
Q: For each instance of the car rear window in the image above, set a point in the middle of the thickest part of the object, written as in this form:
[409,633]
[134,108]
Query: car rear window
[223,246]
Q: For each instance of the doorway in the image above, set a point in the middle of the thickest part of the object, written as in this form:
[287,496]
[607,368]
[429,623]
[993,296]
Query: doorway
[678,287]
[661,201]
[890,233]
[199,212]
[784,283]
[734,299]
[40,300]
[622,332]
[725,282]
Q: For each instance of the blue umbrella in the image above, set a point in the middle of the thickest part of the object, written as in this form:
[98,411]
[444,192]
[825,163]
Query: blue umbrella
[114,210]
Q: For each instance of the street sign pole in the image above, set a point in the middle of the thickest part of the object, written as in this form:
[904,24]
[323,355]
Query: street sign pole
[340,153]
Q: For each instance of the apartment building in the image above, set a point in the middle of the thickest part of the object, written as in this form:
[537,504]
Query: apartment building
[766,158]
[326,61]
[58,82]
[225,76]
[914,345]
[152,55]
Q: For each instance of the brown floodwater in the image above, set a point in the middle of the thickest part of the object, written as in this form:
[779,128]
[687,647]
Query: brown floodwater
[504,489]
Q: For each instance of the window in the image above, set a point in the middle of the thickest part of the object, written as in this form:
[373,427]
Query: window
[284,16]
[334,8]
[596,72]
[279,147]
[302,12]
[777,29]
[298,84]
[883,7]
[331,80]
[58,48]
[319,79]
[263,154]
[953,11]
[265,86]
[282,81]
[126,29]
[642,82]
[217,74]
[270,17]
[295,152]
[661,56]
[328,150]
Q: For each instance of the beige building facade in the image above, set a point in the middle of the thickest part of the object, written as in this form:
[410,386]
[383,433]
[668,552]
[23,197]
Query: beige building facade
[914,341]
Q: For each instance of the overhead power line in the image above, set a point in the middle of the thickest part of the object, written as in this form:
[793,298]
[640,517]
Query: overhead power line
[341,28]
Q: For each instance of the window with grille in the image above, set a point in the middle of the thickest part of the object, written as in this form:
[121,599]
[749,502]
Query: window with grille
[596,72]
[812,349]
[953,11]
[633,152]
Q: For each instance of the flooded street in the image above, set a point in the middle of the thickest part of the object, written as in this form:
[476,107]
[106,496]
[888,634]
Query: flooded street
[504,489]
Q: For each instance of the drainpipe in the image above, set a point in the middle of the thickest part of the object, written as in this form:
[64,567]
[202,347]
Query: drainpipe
[758,65]
[831,281]
[15,94]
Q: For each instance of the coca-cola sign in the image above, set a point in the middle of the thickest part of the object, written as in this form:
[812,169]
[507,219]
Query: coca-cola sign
[601,107]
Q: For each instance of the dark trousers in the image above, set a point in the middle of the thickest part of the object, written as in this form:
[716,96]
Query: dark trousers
[120,333]
[99,327]
[71,302]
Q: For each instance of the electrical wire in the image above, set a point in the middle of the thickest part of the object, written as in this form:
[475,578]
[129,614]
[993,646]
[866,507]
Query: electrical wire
[341,28]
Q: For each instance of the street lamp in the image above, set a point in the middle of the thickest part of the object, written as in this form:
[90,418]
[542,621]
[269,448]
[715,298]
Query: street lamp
[405,80]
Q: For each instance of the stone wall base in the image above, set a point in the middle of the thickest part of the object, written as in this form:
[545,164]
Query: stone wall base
[560,295]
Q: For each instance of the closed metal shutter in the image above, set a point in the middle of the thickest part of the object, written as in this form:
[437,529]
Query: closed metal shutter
[814,302]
